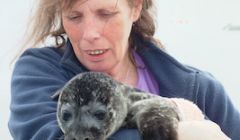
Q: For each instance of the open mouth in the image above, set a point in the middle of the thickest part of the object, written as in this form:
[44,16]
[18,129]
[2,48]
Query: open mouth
[96,52]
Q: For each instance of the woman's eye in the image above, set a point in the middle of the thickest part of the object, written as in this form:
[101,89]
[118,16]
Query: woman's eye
[66,116]
[100,115]
[107,14]
[74,18]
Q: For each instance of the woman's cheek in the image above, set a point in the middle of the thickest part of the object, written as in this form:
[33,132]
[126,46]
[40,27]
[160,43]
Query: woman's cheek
[73,31]
[114,28]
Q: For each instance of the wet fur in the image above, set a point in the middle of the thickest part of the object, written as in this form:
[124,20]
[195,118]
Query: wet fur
[95,106]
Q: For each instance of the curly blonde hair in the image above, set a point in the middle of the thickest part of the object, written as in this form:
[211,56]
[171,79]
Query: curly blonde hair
[46,22]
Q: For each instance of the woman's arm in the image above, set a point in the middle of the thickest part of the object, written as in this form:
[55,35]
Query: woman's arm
[214,102]
[33,112]
[200,130]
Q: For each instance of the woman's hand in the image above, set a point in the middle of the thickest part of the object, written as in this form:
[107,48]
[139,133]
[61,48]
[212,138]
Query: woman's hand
[200,130]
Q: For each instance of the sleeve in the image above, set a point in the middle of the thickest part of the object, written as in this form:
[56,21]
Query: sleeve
[214,101]
[33,112]
[126,134]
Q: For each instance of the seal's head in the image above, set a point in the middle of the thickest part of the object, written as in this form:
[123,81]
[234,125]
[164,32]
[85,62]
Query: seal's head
[89,107]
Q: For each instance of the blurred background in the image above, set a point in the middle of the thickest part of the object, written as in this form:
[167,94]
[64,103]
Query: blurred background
[201,33]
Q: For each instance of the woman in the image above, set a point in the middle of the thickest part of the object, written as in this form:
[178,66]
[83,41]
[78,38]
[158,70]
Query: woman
[114,37]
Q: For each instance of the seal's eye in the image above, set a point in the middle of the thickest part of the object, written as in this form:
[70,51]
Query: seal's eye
[100,114]
[66,115]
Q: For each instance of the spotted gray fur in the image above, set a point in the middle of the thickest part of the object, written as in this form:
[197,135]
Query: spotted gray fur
[92,106]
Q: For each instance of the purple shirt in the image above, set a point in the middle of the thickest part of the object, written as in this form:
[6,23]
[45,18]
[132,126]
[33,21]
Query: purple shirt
[146,81]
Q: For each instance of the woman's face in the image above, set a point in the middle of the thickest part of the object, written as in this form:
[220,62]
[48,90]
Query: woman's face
[99,32]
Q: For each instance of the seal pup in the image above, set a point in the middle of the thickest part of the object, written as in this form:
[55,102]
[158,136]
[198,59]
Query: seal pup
[92,106]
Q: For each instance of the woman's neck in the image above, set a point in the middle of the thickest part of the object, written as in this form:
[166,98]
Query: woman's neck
[125,73]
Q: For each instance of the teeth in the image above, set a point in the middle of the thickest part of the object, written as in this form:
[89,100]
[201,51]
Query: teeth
[96,52]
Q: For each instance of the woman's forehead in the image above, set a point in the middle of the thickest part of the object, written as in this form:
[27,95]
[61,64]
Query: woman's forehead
[75,4]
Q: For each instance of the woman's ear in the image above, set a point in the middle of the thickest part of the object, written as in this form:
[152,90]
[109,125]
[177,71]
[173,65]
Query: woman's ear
[137,9]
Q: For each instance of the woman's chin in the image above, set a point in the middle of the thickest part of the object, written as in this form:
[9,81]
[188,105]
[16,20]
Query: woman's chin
[99,68]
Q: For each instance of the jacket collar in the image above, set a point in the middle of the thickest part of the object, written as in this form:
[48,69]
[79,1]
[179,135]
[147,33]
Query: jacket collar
[69,60]
[174,79]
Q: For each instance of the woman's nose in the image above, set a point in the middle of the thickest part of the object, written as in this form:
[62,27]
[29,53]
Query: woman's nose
[92,30]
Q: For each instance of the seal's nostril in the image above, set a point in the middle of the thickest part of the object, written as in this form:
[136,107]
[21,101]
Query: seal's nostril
[86,139]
